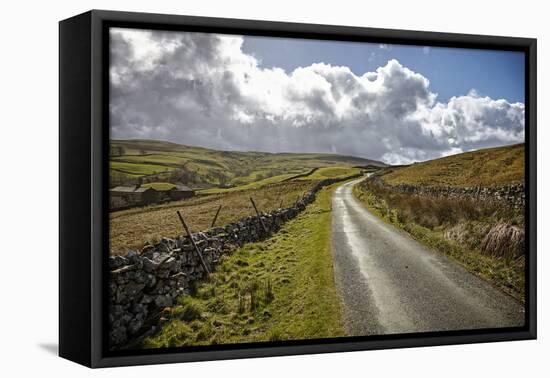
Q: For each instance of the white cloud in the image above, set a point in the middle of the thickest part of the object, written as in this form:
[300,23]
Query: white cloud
[201,89]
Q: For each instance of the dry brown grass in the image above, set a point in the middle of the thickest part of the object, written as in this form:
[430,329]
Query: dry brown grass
[486,167]
[433,212]
[131,229]
[467,233]
[486,238]
[504,240]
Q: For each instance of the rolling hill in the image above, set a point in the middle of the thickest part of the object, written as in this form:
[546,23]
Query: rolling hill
[485,167]
[200,167]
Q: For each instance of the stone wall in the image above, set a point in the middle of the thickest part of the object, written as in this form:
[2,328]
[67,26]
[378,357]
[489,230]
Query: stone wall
[143,283]
[513,194]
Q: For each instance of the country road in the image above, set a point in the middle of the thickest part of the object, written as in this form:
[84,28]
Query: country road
[389,283]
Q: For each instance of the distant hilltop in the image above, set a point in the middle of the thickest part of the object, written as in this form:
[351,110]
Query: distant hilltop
[485,167]
[198,167]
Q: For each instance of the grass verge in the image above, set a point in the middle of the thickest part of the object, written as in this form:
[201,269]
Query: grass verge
[278,289]
[506,273]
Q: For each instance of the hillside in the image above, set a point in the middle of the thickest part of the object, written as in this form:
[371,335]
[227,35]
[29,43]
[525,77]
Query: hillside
[154,161]
[486,167]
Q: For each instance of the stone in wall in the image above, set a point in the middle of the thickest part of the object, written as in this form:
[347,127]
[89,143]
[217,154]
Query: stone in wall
[512,194]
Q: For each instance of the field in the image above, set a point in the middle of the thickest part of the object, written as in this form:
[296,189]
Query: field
[278,289]
[137,169]
[202,168]
[252,185]
[331,172]
[492,166]
[131,229]
[484,236]
[221,178]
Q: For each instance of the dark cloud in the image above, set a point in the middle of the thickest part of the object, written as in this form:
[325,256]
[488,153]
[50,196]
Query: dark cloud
[201,89]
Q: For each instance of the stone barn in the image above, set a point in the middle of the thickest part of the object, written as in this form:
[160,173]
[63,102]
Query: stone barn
[181,192]
[128,196]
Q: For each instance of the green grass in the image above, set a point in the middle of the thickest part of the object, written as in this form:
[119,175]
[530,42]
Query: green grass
[331,172]
[278,289]
[252,185]
[206,168]
[425,223]
[168,160]
[491,166]
[121,178]
[138,169]
[160,186]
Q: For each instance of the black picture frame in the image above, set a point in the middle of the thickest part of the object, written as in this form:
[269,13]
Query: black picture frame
[83,166]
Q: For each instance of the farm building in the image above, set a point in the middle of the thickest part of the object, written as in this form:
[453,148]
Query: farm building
[123,197]
[128,196]
[181,192]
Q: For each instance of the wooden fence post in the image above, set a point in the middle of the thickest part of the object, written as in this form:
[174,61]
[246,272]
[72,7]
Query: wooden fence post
[216,216]
[258,215]
[197,251]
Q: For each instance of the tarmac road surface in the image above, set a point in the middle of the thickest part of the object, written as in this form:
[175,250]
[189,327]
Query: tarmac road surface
[390,283]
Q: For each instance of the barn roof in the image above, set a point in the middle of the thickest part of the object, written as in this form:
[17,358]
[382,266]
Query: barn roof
[130,189]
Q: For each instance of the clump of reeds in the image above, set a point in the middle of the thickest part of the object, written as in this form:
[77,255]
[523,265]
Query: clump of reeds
[504,241]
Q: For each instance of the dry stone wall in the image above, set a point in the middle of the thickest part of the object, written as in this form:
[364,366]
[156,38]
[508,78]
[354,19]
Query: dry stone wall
[513,194]
[143,283]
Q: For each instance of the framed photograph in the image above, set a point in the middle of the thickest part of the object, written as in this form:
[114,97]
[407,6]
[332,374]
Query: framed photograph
[234,188]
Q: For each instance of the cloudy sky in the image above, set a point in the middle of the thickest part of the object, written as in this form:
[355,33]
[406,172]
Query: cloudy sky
[393,103]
